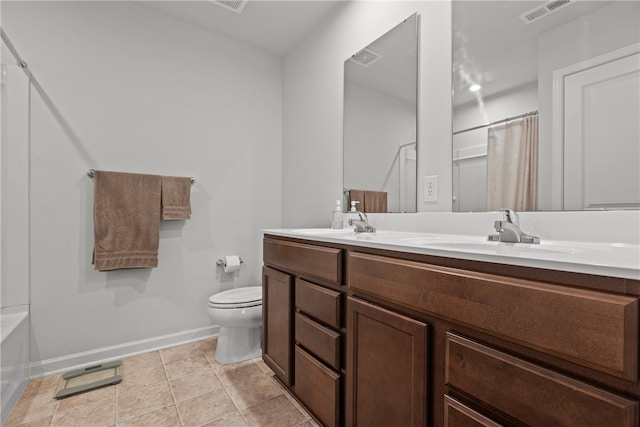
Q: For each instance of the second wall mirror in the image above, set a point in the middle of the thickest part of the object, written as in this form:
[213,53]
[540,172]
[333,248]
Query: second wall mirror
[380,122]
[546,105]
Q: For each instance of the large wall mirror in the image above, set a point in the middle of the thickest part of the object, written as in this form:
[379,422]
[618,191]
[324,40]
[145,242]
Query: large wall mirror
[380,124]
[546,105]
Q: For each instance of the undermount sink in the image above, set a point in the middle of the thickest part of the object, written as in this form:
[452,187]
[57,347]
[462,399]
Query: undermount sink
[322,231]
[442,239]
[504,248]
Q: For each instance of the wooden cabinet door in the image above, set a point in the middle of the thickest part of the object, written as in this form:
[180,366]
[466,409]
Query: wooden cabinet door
[386,367]
[277,322]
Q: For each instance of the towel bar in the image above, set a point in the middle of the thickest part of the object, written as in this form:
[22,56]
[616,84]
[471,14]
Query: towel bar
[92,172]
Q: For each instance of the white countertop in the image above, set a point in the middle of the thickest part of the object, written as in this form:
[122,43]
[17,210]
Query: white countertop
[599,258]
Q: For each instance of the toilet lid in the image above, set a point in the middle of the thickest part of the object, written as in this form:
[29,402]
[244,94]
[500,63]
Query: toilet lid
[248,295]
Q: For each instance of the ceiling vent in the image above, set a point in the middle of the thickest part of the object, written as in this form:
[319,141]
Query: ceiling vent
[544,10]
[365,57]
[232,5]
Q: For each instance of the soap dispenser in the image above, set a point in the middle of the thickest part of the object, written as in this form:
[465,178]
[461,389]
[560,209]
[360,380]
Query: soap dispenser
[337,216]
[352,214]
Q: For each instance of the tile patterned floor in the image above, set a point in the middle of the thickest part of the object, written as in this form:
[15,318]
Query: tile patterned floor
[177,386]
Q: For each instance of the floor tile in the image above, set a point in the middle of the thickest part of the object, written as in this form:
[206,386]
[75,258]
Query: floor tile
[30,409]
[180,352]
[209,350]
[96,414]
[194,365]
[140,361]
[143,401]
[176,387]
[134,379]
[309,423]
[263,367]
[194,385]
[236,372]
[44,385]
[43,422]
[108,392]
[163,417]
[206,408]
[254,390]
[276,412]
[232,420]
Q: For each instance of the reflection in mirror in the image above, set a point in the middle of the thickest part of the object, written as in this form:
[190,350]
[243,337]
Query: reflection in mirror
[546,105]
[380,125]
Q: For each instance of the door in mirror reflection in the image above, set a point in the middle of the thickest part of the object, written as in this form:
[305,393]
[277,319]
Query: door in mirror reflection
[380,125]
[601,133]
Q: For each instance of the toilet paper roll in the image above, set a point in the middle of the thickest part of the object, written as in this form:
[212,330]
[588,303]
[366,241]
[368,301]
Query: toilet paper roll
[231,263]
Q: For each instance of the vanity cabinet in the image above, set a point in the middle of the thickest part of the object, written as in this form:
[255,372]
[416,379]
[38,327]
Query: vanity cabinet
[304,346]
[379,337]
[504,348]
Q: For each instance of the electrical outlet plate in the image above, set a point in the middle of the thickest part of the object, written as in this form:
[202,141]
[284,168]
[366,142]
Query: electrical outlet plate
[431,188]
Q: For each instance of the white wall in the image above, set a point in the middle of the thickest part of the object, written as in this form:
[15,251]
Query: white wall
[313,105]
[376,125]
[120,87]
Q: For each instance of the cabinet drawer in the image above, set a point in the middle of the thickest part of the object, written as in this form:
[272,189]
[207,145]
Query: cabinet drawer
[591,328]
[458,415]
[529,393]
[320,303]
[318,387]
[316,261]
[319,340]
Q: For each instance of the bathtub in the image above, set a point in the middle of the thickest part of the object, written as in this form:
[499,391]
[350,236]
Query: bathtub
[14,357]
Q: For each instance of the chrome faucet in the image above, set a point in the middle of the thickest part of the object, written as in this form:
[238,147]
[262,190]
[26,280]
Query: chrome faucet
[509,229]
[362,225]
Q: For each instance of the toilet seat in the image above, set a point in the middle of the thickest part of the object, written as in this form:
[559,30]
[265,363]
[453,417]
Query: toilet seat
[250,296]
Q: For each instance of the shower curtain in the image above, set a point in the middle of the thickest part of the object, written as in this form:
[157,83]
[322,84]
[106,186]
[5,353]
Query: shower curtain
[512,165]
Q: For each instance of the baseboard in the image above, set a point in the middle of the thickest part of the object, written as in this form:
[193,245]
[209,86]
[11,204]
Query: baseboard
[87,358]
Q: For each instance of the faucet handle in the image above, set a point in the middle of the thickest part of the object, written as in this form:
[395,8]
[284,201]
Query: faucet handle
[511,216]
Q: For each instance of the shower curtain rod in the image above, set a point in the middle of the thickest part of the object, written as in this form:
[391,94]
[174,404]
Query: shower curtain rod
[508,119]
[21,63]
[92,172]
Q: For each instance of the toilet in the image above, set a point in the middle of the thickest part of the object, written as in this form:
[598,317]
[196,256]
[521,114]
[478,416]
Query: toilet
[239,314]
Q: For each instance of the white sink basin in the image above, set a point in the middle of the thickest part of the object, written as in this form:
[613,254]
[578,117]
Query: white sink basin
[442,239]
[504,248]
[322,231]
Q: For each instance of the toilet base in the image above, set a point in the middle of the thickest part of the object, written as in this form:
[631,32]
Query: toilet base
[238,344]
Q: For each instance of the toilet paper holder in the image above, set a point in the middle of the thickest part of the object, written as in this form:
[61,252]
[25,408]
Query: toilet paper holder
[221,262]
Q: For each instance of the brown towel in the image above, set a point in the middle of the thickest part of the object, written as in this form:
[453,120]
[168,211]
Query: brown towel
[126,220]
[369,201]
[375,201]
[176,195]
[356,196]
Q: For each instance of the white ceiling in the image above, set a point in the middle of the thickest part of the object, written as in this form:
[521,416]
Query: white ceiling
[275,26]
[491,45]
